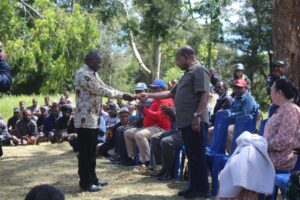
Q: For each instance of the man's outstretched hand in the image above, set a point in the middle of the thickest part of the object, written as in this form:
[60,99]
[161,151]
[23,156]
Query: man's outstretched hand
[128,97]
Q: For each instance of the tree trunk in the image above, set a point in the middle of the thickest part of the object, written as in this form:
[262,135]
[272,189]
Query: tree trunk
[136,53]
[286,36]
[156,57]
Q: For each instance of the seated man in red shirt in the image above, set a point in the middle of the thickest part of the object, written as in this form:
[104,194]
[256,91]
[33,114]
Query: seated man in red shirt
[154,121]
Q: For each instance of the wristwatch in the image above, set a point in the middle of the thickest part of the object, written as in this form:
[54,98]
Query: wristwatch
[197,114]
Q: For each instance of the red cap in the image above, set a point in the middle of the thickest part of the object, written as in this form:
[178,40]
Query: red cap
[240,83]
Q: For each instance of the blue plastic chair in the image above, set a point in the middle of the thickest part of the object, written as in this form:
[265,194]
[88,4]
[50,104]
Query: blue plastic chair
[281,180]
[218,144]
[262,127]
[179,163]
[255,115]
[241,124]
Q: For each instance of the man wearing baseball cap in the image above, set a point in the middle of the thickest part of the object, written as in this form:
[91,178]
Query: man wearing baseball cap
[239,73]
[137,116]
[11,123]
[154,121]
[158,83]
[243,104]
[140,87]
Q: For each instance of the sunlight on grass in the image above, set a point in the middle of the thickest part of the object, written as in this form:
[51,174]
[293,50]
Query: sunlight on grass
[9,102]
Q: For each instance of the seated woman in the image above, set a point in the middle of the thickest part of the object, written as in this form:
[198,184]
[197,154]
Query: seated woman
[283,128]
[281,131]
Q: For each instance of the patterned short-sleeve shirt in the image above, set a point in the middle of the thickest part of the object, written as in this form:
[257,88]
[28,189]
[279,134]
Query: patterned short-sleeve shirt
[89,87]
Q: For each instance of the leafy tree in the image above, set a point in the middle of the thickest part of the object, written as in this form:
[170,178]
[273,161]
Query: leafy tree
[251,36]
[210,11]
[52,49]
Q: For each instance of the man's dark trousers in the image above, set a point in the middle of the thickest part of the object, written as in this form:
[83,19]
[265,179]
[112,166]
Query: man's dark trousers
[195,150]
[87,144]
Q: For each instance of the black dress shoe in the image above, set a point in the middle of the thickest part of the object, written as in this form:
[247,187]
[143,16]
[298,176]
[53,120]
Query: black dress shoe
[92,188]
[197,194]
[128,162]
[166,177]
[159,174]
[102,183]
[184,192]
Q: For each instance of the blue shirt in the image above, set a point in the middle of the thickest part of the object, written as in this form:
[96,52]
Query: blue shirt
[49,123]
[242,105]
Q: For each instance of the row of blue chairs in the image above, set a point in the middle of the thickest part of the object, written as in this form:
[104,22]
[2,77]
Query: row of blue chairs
[215,153]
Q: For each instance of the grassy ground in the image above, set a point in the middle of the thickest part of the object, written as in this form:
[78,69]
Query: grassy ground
[23,167]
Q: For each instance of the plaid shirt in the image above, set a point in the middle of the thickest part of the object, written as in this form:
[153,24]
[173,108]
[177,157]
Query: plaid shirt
[89,87]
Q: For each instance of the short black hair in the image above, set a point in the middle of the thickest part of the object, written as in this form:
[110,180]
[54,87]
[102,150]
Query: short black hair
[287,88]
[45,192]
[186,50]
[91,55]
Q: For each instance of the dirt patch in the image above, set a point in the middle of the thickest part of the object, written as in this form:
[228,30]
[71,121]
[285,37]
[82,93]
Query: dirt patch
[23,167]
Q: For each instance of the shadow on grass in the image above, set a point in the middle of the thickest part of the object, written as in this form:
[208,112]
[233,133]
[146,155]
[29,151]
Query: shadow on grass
[144,197]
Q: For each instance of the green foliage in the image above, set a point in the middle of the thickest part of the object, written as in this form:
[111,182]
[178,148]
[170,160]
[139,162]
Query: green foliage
[11,26]
[204,53]
[210,10]
[158,17]
[252,36]
[53,48]
[173,73]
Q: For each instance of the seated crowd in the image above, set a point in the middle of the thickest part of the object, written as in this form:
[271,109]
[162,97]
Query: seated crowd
[51,122]
[133,132]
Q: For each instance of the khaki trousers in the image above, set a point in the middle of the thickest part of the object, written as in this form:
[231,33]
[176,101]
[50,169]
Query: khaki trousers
[140,137]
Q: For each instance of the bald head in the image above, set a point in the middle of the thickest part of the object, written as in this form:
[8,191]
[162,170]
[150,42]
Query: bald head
[185,57]
[186,50]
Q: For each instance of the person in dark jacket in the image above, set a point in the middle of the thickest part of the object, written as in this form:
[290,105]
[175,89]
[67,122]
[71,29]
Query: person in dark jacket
[223,102]
[5,72]
[11,123]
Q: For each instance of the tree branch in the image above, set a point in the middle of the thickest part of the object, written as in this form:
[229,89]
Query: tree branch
[37,13]
[133,45]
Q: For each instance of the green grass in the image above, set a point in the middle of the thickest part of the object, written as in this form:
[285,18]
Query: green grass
[9,102]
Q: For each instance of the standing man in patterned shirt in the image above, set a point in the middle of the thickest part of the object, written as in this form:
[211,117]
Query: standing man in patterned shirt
[191,96]
[89,88]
